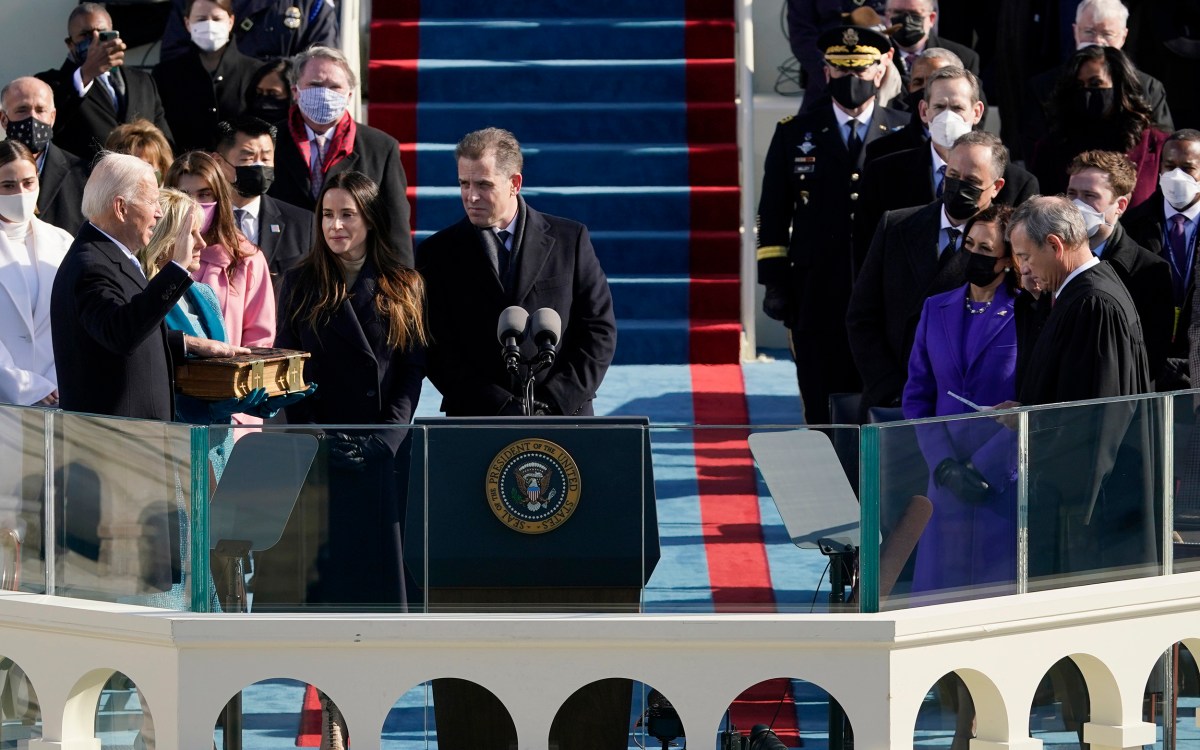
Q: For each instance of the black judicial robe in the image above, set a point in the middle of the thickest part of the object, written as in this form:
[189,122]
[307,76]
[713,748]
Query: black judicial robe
[1093,501]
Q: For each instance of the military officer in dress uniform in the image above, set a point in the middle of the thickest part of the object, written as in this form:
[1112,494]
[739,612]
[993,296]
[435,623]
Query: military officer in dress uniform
[806,211]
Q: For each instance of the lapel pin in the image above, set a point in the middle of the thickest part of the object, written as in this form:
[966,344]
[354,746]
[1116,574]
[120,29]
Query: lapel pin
[275,229]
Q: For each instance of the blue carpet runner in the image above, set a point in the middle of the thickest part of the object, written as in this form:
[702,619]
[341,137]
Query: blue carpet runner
[626,113]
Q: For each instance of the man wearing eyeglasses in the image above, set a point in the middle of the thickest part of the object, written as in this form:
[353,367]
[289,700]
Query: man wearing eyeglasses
[1103,23]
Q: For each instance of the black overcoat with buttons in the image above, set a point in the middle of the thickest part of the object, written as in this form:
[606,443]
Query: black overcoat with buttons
[195,100]
[112,350]
[361,380]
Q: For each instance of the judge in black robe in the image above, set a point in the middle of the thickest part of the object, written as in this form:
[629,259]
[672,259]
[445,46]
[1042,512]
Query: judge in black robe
[1092,491]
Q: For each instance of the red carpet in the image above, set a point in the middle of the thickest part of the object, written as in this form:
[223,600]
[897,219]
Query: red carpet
[737,560]
[310,720]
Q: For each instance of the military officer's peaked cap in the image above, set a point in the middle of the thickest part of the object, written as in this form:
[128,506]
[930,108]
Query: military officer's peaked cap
[853,47]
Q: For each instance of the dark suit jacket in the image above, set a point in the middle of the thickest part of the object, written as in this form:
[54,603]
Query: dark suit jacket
[1148,279]
[1145,225]
[905,179]
[285,234]
[376,154]
[195,100]
[83,124]
[556,268]
[61,193]
[111,347]
[901,270]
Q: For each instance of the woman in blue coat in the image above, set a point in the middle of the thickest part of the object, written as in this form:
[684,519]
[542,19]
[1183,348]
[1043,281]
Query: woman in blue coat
[966,344]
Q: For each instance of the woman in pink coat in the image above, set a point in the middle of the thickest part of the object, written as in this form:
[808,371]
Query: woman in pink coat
[240,276]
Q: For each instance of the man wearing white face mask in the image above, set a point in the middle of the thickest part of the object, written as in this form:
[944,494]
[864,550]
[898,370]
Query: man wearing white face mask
[322,140]
[1101,184]
[208,83]
[952,107]
[1166,225]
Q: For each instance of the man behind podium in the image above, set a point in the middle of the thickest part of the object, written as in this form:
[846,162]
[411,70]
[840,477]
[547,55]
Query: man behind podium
[111,347]
[504,253]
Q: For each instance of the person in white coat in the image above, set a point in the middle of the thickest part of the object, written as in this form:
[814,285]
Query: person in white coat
[30,252]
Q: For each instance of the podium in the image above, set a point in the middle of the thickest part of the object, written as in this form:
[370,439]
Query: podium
[549,514]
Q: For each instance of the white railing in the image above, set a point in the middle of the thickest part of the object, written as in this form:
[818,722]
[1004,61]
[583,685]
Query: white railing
[879,667]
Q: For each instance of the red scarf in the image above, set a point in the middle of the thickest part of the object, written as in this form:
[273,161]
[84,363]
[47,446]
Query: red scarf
[338,144]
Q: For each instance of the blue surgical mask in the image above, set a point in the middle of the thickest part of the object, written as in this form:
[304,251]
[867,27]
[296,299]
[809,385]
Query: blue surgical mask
[321,105]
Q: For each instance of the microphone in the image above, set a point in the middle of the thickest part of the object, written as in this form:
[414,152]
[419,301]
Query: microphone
[547,327]
[510,329]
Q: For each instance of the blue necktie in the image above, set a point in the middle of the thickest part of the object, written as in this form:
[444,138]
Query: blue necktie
[502,252]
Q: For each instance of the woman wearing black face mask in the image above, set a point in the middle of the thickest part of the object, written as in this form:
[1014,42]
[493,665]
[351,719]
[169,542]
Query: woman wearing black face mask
[1098,104]
[966,345]
[269,92]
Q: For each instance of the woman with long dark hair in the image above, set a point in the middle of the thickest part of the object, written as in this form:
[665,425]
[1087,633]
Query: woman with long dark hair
[1098,105]
[361,316]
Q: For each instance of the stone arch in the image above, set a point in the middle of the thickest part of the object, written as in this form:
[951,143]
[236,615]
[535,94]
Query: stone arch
[768,691]
[991,711]
[82,704]
[1104,694]
[18,692]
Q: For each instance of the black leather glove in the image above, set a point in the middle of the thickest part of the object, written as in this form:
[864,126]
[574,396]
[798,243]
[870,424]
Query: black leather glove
[776,304]
[962,479]
[354,452]
[1174,375]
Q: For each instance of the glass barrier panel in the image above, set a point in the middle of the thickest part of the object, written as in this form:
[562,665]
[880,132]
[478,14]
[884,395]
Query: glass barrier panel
[1095,491]
[1184,532]
[23,433]
[946,510]
[307,517]
[1092,511]
[122,510]
[555,514]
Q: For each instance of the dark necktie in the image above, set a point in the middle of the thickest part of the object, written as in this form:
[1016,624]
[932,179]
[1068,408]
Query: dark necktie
[853,141]
[1177,240]
[502,253]
[941,181]
[951,246]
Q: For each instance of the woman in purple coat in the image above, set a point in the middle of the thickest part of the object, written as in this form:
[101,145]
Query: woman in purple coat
[966,344]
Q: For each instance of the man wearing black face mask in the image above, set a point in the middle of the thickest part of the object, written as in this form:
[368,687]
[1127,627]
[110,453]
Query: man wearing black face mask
[912,33]
[916,253]
[245,149]
[94,89]
[27,115]
[806,211]
[952,106]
